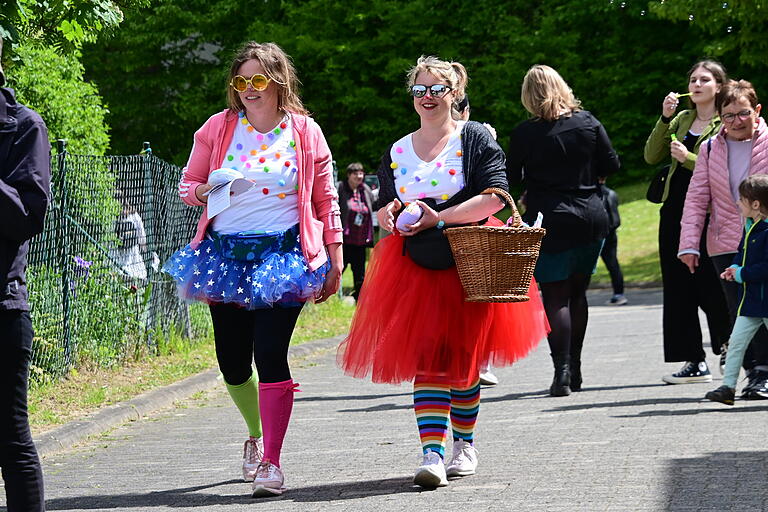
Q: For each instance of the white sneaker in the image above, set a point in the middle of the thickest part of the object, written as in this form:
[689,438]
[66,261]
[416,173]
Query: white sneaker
[253,451]
[268,480]
[431,473]
[464,459]
[487,378]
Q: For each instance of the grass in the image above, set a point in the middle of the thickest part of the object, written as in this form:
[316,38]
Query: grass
[88,389]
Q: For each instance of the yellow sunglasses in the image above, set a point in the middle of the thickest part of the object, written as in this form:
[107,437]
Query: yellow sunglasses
[258,81]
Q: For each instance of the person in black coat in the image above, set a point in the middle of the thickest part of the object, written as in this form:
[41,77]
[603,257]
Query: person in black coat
[24,194]
[608,254]
[559,155]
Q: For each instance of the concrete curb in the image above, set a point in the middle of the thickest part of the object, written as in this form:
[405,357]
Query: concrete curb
[134,409]
[644,285]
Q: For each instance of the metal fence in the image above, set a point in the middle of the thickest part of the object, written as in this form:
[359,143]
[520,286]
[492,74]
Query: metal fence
[96,291]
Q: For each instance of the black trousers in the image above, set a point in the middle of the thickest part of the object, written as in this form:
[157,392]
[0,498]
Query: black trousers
[608,254]
[354,255]
[261,336]
[757,352]
[18,457]
[684,293]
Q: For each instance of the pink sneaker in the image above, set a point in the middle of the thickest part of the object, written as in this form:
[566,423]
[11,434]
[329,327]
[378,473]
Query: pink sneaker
[253,451]
[268,480]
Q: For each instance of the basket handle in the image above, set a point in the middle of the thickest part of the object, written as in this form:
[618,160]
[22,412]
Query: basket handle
[503,193]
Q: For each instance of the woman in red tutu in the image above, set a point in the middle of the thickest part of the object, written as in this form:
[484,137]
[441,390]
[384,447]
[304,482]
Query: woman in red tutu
[412,323]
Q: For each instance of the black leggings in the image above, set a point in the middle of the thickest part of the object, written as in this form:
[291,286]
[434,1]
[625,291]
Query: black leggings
[565,303]
[18,457]
[608,254]
[354,255]
[684,293]
[262,335]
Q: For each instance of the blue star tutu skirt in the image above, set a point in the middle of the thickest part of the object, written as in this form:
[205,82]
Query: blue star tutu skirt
[252,269]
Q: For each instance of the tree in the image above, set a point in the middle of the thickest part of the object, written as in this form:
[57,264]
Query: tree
[63,24]
[731,27]
[352,57]
[53,85]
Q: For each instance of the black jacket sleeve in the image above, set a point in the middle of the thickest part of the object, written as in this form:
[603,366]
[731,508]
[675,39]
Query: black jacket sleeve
[387,191]
[606,159]
[25,180]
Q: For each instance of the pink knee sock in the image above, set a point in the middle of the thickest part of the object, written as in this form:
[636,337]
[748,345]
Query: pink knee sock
[275,406]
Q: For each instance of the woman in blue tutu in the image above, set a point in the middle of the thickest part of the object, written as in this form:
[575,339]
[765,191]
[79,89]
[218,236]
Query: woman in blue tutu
[275,246]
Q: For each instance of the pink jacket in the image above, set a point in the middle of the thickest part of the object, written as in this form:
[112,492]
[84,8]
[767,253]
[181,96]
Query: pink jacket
[319,217]
[710,190]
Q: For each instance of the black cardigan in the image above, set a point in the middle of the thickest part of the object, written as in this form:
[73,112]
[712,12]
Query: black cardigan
[482,161]
[559,163]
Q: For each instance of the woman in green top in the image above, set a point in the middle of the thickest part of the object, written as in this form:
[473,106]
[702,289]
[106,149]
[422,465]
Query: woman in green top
[681,137]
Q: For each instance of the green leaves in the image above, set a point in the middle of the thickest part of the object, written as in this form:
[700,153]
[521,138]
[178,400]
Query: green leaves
[62,24]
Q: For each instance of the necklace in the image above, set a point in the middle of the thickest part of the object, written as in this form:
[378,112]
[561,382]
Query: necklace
[705,120]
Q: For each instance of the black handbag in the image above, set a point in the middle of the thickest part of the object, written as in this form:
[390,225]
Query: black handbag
[655,192]
[430,249]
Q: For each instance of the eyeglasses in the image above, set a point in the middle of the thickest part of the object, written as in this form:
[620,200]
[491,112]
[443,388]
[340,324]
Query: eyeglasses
[436,91]
[743,115]
[258,81]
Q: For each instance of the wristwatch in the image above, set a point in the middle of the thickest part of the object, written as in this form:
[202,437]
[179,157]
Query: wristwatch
[440,224]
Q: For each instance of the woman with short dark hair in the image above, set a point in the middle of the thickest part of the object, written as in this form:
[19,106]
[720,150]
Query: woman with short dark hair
[737,151]
[356,204]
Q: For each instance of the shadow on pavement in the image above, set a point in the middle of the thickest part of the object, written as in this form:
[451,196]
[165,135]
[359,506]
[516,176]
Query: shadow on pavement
[483,399]
[627,403]
[346,398]
[716,482]
[716,408]
[187,497]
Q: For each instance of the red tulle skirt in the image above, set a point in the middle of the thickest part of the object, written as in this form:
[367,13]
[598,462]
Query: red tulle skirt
[413,320]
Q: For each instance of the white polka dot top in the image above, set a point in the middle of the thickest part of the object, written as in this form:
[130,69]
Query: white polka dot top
[439,179]
[269,161]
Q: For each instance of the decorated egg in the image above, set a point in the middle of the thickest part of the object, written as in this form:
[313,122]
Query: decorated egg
[410,215]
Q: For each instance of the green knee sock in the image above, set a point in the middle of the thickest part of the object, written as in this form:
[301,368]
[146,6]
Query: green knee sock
[246,398]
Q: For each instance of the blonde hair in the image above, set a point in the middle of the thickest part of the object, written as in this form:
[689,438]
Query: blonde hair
[278,68]
[546,95]
[454,73]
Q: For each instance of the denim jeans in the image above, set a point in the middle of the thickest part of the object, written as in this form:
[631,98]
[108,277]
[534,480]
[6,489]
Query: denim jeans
[18,457]
[744,329]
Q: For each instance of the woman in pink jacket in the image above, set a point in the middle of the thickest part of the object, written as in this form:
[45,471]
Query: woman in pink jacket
[274,247]
[739,149]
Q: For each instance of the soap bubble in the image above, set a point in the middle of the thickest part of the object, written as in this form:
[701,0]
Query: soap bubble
[690,17]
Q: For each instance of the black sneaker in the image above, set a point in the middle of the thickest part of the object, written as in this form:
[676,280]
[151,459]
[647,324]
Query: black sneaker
[757,385]
[690,373]
[723,394]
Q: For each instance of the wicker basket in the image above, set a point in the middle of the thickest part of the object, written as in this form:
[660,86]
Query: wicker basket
[496,264]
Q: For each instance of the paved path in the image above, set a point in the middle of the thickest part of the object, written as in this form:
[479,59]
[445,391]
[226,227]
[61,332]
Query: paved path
[627,443]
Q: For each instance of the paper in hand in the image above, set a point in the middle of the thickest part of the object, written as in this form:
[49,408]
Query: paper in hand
[226,183]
